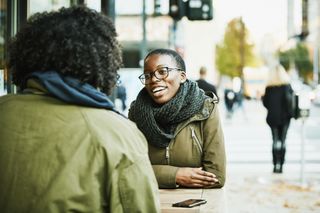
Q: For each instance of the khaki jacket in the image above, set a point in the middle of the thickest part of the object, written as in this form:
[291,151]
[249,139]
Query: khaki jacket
[58,157]
[198,142]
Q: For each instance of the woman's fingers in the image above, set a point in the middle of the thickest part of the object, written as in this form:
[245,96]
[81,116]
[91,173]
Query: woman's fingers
[195,177]
[204,173]
[198,181]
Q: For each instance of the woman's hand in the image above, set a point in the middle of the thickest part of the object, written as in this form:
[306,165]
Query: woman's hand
[195,177]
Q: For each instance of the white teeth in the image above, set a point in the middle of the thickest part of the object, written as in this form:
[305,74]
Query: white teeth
[157,89]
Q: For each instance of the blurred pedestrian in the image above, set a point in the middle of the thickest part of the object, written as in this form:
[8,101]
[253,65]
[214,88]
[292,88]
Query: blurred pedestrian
[229,98]
[122,95]
[63,148]
[277,102]
[181,124]
[203,84]
[237,89]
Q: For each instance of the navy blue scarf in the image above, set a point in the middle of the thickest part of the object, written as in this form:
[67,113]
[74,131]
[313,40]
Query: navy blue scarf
[71,90]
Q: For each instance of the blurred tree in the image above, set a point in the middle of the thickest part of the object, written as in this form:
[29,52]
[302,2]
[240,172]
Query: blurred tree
[300,58]
[285,58]
[235,51]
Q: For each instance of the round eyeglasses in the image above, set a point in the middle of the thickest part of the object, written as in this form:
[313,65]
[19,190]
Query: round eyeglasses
[160,73]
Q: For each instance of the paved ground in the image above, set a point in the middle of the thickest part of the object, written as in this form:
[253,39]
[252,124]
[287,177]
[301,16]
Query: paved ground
[251,186]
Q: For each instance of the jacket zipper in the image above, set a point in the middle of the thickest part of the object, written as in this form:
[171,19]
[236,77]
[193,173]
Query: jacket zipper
[193,134]
[167,154]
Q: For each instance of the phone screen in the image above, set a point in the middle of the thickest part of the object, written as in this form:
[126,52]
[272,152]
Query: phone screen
[189,203]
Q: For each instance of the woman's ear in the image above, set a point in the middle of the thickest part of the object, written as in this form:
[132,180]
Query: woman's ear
[183,77]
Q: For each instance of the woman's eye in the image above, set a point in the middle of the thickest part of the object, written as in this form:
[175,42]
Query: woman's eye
[162,71]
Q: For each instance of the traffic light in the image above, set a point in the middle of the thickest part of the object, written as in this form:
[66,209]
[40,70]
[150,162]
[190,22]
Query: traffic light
[199,10]
[157,8]
[177,9]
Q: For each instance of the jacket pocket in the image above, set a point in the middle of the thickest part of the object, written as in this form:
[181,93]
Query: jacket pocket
[196,140]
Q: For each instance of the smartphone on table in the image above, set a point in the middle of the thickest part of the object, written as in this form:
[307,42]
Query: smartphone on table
[190,203]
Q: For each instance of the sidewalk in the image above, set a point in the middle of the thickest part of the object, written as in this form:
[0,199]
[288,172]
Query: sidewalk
[251,186]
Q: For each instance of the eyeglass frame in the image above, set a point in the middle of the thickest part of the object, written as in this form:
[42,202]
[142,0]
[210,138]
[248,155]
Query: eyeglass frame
[153,74]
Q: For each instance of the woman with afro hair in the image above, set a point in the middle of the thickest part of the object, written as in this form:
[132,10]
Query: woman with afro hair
[61,149]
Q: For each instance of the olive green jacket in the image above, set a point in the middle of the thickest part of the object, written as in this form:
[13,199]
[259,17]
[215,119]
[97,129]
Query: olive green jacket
[58,157]
[198,142]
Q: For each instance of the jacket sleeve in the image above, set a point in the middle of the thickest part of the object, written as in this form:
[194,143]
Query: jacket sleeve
[166,176]
[132,186]
[214,157]
[137,188]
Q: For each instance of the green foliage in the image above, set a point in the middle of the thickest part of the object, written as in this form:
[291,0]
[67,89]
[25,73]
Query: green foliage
[299,56]
[284,58]
[235,51]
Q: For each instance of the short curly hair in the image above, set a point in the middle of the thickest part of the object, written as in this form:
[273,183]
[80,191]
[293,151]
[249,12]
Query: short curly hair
[75,41]
[173,54]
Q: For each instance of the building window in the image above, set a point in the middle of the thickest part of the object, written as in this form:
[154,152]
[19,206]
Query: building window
[46,5]
[3,31]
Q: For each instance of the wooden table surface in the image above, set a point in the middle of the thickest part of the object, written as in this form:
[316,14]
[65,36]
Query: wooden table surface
[215,200]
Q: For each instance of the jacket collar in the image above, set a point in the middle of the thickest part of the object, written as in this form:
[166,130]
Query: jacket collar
[34,87]
[204,114]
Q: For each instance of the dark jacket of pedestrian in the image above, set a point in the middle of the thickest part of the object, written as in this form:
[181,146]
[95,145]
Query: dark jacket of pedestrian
[207,87]
[277,104]
[203,84]
[63,147]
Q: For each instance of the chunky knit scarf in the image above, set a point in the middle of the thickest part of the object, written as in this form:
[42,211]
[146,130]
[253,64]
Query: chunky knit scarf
[159,122]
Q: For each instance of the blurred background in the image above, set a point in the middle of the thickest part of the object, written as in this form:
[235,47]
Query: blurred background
[238,41]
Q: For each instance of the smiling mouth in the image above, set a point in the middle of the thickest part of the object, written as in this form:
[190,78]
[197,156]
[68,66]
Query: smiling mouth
[158,89]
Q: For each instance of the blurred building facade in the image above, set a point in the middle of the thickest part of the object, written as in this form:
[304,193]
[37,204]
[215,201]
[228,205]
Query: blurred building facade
[306,30]
[192,39]
[314,36]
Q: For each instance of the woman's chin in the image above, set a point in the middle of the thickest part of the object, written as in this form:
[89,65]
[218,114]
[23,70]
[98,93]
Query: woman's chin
[160,100]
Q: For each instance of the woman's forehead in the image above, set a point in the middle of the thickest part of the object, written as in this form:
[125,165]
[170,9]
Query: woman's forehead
[159,60]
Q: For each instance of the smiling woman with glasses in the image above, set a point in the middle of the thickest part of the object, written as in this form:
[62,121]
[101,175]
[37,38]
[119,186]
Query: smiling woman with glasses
[181,124]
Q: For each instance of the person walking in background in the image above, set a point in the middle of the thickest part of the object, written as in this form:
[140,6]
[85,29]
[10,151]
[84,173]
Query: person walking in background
[229,98]
[277,102]
[203,84]
[122,95]
[63,148]
[181,124]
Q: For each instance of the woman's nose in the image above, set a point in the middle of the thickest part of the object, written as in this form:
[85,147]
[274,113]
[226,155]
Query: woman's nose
[154,78]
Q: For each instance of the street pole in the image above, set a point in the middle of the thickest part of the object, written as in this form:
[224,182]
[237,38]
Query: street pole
[143,46]
[108,8]
[242,56]
[316,66]
[302,176]
[174,33]
[304,105]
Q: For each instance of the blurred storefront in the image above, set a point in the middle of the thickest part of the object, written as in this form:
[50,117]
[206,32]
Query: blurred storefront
[3,20]
[142,25]
[314,36]
[306,30]
[14,13]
